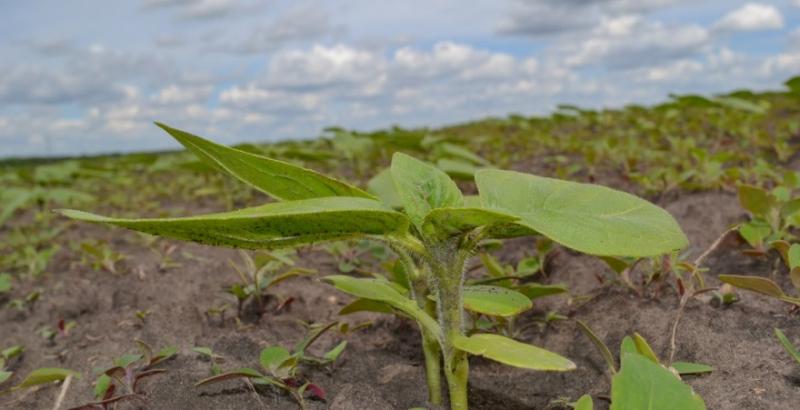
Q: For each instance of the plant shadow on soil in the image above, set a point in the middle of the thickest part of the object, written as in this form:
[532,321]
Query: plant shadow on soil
[382,365]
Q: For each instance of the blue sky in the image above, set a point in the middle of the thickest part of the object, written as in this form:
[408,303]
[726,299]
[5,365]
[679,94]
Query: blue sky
[90,76]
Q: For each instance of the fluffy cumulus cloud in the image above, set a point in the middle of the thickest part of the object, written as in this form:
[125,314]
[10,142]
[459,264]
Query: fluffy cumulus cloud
[752,17]
[252,70]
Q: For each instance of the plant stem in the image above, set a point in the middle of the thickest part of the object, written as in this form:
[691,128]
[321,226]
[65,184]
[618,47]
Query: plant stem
[448,269]
[430,344]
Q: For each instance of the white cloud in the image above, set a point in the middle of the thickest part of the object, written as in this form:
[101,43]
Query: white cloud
[632,41]
[751,17]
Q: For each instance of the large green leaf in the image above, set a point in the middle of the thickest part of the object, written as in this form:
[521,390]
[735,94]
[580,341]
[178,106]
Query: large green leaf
[589,218]
[642,384]
[422,187]
[382,186]
[273,225]
[278,179]
[511,352]
[382,291]
[495,300]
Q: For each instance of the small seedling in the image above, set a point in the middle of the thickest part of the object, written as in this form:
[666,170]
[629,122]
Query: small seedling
[99,255]
[258,273]
[38,377]
[214,359]
[282,367]
[436,233]
[787,345]
[120,382]
[773,212]
[6,357]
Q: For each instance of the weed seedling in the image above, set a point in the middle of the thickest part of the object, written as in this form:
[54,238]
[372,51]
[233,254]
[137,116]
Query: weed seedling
[281,367]
[99,255]
[436,233]
[257,274]
[120,382]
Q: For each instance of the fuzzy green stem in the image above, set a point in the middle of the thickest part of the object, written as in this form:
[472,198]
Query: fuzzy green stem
[448,270]
[430,344]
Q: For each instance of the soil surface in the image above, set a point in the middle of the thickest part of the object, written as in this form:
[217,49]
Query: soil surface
[382,366]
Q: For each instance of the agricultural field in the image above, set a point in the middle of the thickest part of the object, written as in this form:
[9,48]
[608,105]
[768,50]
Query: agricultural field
[414,269]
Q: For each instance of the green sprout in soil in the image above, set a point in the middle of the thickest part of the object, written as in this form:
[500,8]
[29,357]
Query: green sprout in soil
[120,382]
[10,357]
[258,274]
[281,368]
[437,232]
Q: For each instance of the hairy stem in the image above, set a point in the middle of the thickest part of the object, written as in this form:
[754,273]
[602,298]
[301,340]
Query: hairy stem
[418,284]
[448,268]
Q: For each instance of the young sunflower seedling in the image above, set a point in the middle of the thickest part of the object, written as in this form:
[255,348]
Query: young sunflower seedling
[438,230]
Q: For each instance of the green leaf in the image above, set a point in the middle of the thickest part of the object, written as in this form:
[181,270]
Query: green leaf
[101,386]
[280,180]
[382,186]
[642,384]
[382,291]
[46,375]
[793,255]
[684,368]
[535,290]
[366,305]
[584,403]
[755,200]
[271,358]
[5,375]
[5,282]
[452,221]
[599,345]
[754,232]
[644,348]
[787,345]
[495,300]
[235,374]
[511,352]
[423,187]
[589,218]
[627,346]
[273,225]
[334,353]
[458,169]
[756,284]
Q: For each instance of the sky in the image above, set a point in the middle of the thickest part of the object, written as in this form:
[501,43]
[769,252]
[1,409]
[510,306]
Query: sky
[90,76]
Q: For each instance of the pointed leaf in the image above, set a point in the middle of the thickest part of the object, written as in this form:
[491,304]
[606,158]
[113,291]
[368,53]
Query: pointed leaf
[273,225]
[584,403]
[644,348]
[46,375]
[495,300]
[511,352]
[684,368]
[235,374]
[599,345]
[589,218]
[366,305]
[382,291]
[272,357]
[535,290]
[787,345]
[422,187]
[278,179]
[334,353]
[642,384]
[382,186]
[756,284]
